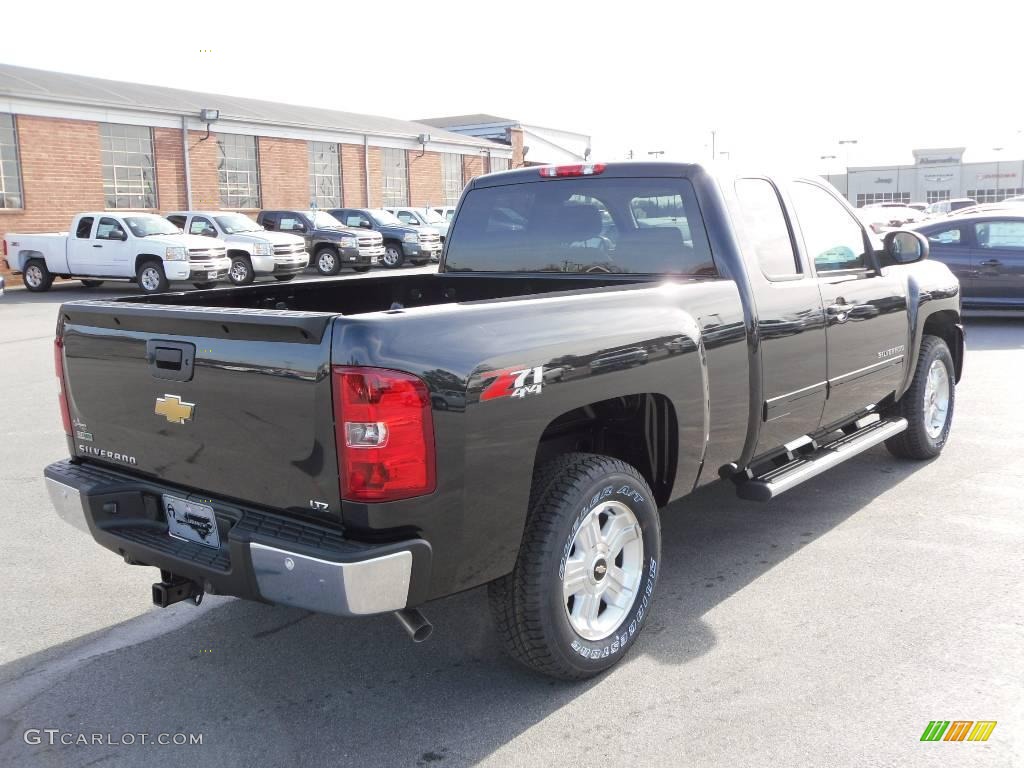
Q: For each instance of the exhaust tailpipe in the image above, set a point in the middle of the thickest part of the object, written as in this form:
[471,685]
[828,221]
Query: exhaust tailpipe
[415,623]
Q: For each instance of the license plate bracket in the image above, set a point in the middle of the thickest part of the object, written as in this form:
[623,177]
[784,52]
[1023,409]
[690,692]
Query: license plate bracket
[191,521]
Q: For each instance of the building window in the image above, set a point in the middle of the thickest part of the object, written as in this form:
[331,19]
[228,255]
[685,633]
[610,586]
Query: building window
[993,195]
[10,170]
[934,195]
[866,198]
[396,178]
[451,178]
[129,174]
[238,174]
[499,164]
[324,174]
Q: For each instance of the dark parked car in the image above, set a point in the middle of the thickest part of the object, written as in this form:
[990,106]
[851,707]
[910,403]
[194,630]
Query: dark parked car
[332,244]
[364,446]
[986,252]
[401,241]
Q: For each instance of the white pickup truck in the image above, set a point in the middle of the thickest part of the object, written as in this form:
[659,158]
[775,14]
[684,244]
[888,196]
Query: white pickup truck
[253,250]
[125,246]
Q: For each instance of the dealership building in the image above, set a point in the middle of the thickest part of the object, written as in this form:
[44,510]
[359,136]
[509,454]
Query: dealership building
[70,144]
[935,174]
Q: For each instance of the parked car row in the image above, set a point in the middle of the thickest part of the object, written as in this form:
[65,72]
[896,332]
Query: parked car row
[207,247]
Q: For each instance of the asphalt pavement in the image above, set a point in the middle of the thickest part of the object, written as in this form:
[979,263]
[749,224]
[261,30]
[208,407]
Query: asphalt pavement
[826,628]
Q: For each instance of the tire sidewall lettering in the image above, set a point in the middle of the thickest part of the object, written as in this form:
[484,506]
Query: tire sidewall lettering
[623,637]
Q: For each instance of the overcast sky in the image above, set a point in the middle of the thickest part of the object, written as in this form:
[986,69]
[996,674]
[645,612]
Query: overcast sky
[780,82]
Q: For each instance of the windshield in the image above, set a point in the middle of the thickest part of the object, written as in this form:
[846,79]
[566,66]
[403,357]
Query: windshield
[235,223]
[323,220]
[386,219]
[432,217]
[148,224]
[596,225]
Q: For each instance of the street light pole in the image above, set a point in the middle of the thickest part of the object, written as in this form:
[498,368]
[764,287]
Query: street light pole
[848,143]
[997,149]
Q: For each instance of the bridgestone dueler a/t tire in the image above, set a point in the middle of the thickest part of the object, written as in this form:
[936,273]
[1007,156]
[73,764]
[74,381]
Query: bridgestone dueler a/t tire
[915,442]
[528,605]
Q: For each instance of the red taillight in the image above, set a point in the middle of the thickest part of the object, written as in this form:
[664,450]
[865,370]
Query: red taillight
[62,395]
[587,169]
[385,434]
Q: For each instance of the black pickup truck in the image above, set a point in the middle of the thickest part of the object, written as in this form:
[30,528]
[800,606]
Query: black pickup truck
[599,341]
[332,244]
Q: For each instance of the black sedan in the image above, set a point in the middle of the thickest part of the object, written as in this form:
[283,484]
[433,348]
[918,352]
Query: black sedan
[986,252]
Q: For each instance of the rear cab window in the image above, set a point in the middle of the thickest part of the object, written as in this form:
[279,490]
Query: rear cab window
[582,225]
[84,228]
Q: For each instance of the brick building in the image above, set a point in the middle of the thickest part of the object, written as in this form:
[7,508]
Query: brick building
[70,143]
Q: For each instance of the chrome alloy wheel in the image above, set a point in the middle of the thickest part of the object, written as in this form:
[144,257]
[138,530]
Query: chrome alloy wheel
[936,399]
[150,278]
[325,262]
[33,276]
[603,570]
[239,271]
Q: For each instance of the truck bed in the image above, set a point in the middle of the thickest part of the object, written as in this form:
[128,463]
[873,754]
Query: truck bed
[385,292]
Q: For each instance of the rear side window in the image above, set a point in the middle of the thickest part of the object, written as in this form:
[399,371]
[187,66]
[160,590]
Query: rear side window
[267,220]
[177,220]
[595,225]
[767,227]
[84,227]
[1000,234]
[833,237]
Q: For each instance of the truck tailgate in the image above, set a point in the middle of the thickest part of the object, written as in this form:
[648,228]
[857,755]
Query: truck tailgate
[229,402]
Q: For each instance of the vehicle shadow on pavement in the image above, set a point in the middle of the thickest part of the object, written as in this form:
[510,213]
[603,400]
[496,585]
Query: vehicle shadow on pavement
[278,686]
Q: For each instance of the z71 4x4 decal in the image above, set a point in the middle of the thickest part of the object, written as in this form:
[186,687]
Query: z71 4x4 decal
[515,382]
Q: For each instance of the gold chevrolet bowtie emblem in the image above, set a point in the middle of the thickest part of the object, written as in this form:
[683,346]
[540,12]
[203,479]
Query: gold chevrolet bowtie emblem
[174,409]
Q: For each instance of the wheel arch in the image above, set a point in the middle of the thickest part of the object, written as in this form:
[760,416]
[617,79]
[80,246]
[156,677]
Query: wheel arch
[21,258]
[142,258]
[641,430]
[237,250]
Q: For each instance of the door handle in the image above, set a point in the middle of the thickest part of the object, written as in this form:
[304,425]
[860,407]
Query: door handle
[840,310]
[96,245]
[991,263]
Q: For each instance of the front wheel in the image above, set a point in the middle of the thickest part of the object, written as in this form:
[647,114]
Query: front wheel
[393,256]
[151,277]
[327,262]
[37,277]
[588,564]
[927,405]
[241,271]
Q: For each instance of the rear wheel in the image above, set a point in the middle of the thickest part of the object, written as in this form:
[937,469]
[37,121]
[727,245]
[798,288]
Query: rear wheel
[927,405]
[92,283]
[327,261]
[583,584]
[36,276]
[151,278]
[393,256]
[241,271]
